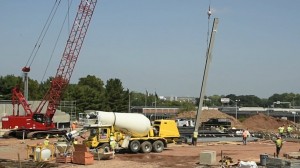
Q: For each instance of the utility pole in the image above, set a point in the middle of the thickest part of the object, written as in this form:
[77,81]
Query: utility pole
[236,108]
[129,102]
[26,70]
[206,68]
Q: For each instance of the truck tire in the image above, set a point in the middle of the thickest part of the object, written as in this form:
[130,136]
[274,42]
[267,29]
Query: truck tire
[135,146]
[146,147]
[158,146]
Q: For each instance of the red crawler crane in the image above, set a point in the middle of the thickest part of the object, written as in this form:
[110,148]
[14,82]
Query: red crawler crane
[37,124]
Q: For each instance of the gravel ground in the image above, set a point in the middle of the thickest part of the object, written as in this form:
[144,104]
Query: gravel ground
[175,156]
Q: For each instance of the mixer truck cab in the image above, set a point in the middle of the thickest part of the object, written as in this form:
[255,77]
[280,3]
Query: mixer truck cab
[99,136]
[131,131]
[167,129]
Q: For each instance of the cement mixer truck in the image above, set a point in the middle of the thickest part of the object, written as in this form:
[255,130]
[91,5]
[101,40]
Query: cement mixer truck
[132,131]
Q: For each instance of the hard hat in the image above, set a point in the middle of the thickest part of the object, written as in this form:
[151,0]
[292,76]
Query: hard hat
[47,138]
[111,134]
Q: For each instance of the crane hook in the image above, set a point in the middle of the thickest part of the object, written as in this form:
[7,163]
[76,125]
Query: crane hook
[209,12]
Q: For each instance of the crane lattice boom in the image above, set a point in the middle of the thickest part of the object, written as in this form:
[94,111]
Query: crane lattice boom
[35,123]
[69,57]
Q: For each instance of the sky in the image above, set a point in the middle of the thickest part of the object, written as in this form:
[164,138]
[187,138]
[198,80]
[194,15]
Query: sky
[160,45]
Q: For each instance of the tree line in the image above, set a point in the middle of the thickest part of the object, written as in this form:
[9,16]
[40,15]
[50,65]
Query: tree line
[284,100]
[92,93]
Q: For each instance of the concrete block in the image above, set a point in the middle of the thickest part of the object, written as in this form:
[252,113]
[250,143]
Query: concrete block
[292,155]
[208,157]
[282,163]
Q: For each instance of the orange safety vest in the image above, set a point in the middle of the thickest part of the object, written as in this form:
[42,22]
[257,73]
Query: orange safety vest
[73,126]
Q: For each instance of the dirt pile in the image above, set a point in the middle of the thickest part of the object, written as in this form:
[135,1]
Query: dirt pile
[258,122]
[261,122]
[207,114]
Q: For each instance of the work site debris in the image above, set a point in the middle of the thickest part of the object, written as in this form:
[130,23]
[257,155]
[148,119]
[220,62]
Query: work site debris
[6,163]
[247,164]
[226,160]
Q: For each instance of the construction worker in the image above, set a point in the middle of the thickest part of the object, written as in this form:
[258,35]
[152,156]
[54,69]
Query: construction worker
[281,130]
[195,138]
[112,143]
[73,126]
[278,143]
[289,130]
[75,141]
[46,142]
[246,134]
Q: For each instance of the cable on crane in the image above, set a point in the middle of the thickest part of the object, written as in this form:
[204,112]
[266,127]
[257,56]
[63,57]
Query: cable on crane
[208,22]
[59,35]
[41,37]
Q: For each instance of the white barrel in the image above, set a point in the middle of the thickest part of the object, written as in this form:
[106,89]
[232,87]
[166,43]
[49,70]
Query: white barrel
[45,154]
[134,124]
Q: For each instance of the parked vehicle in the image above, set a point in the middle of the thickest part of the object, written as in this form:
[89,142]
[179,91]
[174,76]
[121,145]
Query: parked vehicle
[131,131]
[217,122]
[181,122]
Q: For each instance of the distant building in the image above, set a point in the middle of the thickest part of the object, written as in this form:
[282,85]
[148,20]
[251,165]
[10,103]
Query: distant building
[156,113]
[181,99]
[162,98]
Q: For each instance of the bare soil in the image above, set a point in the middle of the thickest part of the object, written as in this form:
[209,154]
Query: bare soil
[177,155]
[258,122]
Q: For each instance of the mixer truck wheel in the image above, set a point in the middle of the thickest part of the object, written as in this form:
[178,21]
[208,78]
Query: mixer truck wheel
[146,147]
[135,146]
[158,146]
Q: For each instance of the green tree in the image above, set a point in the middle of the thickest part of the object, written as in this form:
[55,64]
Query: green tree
[7,83]
[215,100]
[249,101]
[44,87]
[93,82]
[117,98]
[187,106]
[33,90]
[291,98]
[89,93]
[137,99]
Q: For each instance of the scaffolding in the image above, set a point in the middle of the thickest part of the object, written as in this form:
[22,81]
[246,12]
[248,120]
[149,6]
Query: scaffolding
[70,108]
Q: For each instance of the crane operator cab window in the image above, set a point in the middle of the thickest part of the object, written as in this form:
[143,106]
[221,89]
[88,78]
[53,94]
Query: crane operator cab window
[39,118]
[48,121]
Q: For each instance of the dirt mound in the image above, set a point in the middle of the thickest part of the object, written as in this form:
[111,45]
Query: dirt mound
[258,122]
[261,122]
[207,114]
